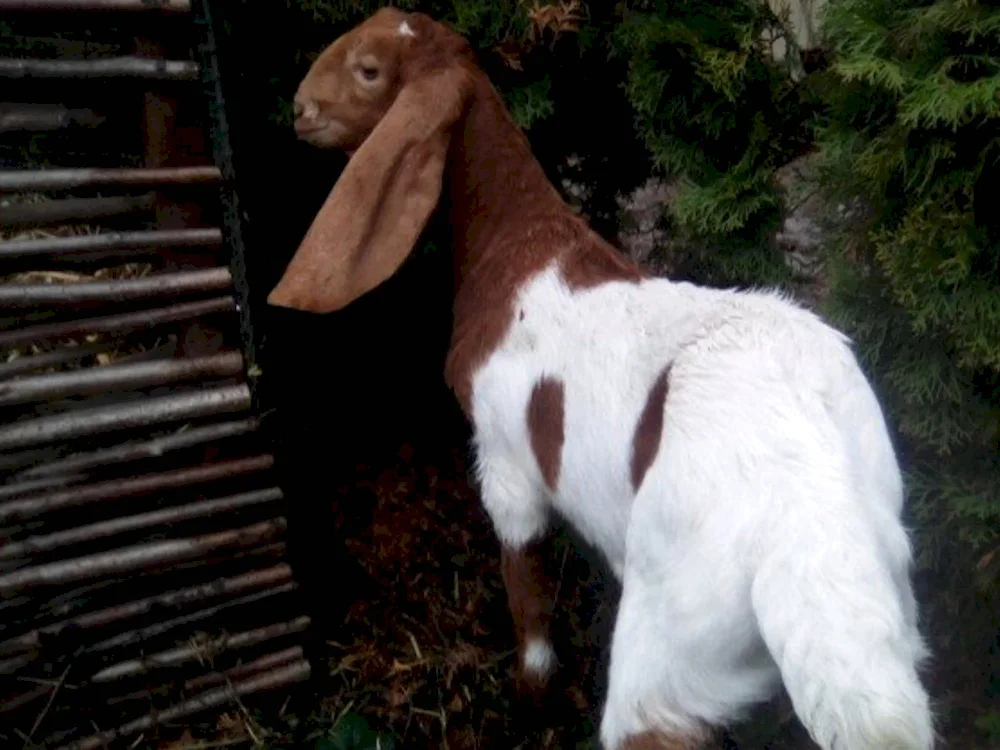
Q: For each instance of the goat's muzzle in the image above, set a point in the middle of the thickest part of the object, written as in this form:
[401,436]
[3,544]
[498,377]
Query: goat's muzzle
[305,127]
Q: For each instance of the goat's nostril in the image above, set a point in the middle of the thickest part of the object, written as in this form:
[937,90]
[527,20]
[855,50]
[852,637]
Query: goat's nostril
[298,108]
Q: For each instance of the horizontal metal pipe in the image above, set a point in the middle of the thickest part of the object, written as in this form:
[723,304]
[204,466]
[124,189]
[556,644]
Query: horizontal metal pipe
[69,210]
[108,67]
[110,242]
[104,529]
[68,602]
[141,413]
[132,451]
[145,634]
[120,324]
[13,704]
[63,179]
[8,491]
[137,557]
[175,6]
[261,664]
[118,290]
[117,489]
[13,666]
[174,656]
[93,380]
[60,356]
[235,674]
[220,587]
[277,678]
[43,117]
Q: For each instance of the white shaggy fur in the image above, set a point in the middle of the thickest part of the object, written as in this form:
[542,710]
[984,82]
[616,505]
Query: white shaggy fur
[764,543]
[539,657]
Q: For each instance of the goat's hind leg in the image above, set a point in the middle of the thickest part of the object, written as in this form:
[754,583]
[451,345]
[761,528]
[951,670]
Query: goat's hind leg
[686,659]
[640,712]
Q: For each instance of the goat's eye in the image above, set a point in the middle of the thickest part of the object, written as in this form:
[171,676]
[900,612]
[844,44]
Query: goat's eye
[369,74]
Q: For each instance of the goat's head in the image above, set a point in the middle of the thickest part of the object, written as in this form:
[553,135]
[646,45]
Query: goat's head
[389,91]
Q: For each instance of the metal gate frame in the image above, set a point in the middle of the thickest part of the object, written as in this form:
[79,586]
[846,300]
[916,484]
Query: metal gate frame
[143,570]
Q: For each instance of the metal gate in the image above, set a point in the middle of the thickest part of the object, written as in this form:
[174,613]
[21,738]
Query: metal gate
[143,571]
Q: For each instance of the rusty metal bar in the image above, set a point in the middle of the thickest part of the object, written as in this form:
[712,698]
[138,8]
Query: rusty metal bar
[64,179]
[10,462]
[103,529]
[174,6]
[143,413]
[121,324]
[25,699]
[69,210]
[69,603]
[143,635]
[108,67]
[181,654]
[62,355]
[118,290]
[111,242]
[234,674]
[43,117]
[93,380]
[45,483]
[257,579]
[137,557]
[262,664]
[12,666]
[117,489]
[63,605]
[280,677]
[126,452]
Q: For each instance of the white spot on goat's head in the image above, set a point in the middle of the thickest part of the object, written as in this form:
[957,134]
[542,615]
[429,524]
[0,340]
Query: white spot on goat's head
[405,30]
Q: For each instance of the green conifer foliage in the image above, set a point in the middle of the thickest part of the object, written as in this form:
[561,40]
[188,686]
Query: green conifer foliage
[716,112]
[914,130]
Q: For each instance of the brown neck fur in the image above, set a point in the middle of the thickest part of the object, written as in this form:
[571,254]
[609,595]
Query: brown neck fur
[508,223]
[493,178]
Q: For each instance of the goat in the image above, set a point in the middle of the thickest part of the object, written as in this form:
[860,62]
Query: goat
[721,448]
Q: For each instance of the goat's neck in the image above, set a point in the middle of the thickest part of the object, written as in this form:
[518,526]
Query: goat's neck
[494,182]
[508,222]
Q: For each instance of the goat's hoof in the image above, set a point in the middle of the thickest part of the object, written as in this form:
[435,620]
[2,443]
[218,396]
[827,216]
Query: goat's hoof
[532,688]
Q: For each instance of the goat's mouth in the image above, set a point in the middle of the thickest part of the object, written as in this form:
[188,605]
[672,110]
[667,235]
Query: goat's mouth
[329,134]
[306,129]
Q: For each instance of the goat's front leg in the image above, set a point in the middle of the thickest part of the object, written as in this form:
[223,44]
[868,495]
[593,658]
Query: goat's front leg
[530,600]
[520,515]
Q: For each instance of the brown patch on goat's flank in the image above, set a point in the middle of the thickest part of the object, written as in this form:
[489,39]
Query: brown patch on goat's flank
[649,430]
[660,741]
[546,413]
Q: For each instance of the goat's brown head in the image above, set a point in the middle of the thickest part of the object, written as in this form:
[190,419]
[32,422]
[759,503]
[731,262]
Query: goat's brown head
[389,92]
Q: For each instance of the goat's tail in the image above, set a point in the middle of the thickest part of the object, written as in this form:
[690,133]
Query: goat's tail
[837,619]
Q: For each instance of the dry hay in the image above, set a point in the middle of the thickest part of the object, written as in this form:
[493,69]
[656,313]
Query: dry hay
[115,350]
[431,654]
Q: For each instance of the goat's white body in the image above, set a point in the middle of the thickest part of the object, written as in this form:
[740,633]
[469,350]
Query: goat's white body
[764,543]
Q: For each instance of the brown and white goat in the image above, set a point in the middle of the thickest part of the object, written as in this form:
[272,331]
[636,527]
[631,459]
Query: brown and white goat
[721,448]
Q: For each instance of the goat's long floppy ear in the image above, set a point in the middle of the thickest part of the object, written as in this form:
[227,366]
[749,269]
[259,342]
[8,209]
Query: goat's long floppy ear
[382,201]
